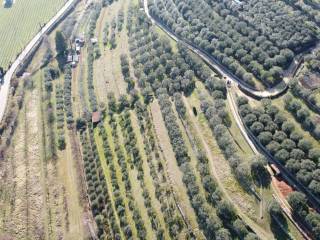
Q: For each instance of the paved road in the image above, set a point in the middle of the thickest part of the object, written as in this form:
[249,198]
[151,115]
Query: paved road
[273,92]
[5,88]
[269,93]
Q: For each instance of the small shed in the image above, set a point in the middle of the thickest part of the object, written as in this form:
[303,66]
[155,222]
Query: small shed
[94,40]
[96,117]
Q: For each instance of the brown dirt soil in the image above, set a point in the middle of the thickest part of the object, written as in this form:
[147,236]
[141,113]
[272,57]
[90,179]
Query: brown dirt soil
[284,188]
[175,174]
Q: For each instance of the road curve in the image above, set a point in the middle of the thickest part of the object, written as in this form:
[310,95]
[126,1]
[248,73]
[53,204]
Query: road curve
[273,92]
[5,88]
[269,93]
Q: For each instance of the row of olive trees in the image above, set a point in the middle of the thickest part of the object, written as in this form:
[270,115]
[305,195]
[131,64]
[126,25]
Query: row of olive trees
[159,72]
[120,20]
[125,69]
[242,47]
[112,41]
[67,90]
[158,172]
[60,116]
[225,211]
[49,74]
[116,181]
[278,135]
[105,34]
[300,209]
[303,115]
[307,95]
[97,189]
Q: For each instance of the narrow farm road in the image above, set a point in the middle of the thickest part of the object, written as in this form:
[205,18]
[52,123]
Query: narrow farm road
[278,196]
[235,113]
[5,88]
[261,232]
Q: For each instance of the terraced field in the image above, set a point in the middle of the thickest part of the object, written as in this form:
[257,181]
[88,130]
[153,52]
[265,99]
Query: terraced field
[142,139]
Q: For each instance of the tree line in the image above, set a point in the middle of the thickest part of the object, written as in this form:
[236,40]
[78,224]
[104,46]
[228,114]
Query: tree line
[249,44]
[164,74]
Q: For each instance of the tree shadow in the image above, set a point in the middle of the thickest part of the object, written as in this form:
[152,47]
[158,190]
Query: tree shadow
[279,227]
[61,61]
[263,182]
[262,179]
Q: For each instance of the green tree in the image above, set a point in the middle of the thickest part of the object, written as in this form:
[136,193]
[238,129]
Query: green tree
[61,44]
[298,203]
[226,212]
[259,171]
[61,142]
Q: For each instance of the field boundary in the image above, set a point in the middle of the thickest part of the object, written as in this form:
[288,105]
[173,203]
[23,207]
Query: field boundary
[5,88]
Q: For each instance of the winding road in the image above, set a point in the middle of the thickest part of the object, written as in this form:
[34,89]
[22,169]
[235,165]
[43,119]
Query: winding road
[5,88]
[255,146]
[210,60]
[269,93]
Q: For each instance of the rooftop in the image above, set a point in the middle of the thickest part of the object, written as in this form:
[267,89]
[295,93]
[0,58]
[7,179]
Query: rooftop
[96,117]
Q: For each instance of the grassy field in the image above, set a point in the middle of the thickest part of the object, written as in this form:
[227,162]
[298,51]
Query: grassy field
[20,22]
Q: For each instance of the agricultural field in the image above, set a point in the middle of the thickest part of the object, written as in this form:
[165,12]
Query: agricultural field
[20,22]
[244,37]
[133,120]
